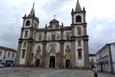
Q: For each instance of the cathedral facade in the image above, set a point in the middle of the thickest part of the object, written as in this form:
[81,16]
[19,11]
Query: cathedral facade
[56,45]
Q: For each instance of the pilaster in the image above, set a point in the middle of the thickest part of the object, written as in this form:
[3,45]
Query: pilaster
[18,53]
[43,54]
[61,54]
[28,54]
[86,52]
[111,63]
[73,50]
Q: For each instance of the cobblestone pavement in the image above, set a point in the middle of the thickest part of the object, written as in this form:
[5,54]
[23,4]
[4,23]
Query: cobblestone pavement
[36,72]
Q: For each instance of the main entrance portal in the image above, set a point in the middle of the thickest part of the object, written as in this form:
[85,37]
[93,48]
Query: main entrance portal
[67,63]
[52,62]
[37,63]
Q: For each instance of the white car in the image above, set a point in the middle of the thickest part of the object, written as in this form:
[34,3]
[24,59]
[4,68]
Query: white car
[1,66]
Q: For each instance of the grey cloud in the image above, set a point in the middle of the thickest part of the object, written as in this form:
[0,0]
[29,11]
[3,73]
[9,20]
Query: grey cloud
[101,31]
[9,23]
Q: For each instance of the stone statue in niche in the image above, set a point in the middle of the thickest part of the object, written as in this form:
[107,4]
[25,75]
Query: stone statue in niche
[38,49]
[67,48]
[53,46]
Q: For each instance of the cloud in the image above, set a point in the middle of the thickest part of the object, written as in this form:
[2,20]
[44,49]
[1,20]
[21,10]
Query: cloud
[100,32]
[100,18]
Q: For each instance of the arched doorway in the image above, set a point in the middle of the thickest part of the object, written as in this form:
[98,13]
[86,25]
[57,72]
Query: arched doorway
[52,62]
[37,63]
[68,64]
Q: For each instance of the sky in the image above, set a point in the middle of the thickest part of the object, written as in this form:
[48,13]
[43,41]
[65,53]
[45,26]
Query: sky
[100,17]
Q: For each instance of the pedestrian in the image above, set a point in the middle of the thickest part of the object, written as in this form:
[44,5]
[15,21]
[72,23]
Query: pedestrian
[95,73]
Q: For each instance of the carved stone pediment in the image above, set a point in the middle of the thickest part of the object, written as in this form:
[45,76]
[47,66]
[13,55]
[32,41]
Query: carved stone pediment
[67,56]
[37,56]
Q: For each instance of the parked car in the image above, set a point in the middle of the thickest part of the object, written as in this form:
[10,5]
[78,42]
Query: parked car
[1,66]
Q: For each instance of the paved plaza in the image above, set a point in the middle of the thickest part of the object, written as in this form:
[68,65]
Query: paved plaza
[36,72]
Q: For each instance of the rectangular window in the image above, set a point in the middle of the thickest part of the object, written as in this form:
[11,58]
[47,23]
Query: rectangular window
[26,33]
[23,53]
[8,54]
[0,53]
[53,37]
[79,53]
[12,55]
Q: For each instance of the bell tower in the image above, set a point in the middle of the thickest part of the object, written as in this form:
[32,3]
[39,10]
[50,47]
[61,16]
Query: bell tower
[27,37]
[79,36]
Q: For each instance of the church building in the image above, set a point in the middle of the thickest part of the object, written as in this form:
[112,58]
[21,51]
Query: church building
[56,45]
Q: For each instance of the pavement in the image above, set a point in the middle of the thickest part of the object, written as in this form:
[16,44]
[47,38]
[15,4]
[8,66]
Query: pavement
[37,72]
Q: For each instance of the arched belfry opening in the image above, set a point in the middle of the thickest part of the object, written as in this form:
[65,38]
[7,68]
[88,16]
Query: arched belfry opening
[78,18]
[52,62]
[27,23]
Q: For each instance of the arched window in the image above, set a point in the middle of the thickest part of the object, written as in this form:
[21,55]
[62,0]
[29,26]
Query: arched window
[26,33]
[67,48]
[67,36]
[78,18]
[40,37]
[23,53]
[79,30]
[27,23]
[58,36]
[79,53]
[24,45]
